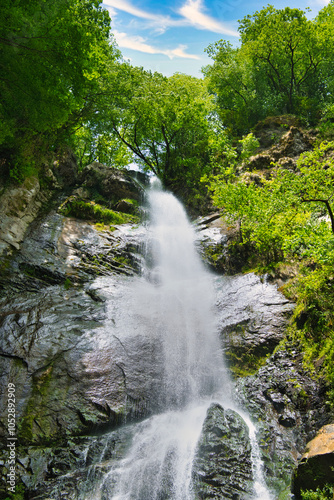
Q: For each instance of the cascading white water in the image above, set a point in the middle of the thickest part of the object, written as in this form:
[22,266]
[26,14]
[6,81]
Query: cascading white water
[183,303]
[175,304]
[179,297]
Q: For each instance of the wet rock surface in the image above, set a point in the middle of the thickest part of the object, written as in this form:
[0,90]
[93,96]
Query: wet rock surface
[61,306]
[67,472]
[68,341]
[288,408]
[254,316]
[282,140]
[222,465]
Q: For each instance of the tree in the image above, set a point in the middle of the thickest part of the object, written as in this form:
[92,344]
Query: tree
[285,214]
[284,65]
[290,49]
[163,121]
[89,146]
[53,55]
[235,84]
[315,182]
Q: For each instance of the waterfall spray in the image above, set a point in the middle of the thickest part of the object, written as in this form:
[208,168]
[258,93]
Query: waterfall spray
[174,303]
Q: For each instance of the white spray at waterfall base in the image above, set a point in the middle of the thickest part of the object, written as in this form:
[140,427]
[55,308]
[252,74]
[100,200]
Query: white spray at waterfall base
[175,305]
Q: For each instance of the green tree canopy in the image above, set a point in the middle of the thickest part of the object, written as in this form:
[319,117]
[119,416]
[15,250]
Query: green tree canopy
[163,121]
[53,55]
[292,213]
[284,65]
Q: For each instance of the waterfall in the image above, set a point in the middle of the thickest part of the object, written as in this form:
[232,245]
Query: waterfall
[174,303]
[183,304]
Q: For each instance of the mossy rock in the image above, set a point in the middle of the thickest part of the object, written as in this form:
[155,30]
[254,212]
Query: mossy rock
[271,129]
[89,210]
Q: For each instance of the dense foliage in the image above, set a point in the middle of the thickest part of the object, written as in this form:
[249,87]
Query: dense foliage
[284,65]
[164,122]
[53,56]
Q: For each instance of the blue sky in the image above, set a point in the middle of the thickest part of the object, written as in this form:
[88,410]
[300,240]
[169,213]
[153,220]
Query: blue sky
[170,36]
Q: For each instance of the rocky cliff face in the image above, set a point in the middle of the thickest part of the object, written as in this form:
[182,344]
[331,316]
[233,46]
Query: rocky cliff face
[64,300]
[71,375]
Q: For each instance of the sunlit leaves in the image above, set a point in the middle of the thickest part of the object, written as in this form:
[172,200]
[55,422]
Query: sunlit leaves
[284,65]
[290,213]
[163,121]
[53,56]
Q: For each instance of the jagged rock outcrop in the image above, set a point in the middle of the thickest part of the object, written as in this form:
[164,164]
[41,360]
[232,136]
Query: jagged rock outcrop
[316,466]
[65,169]
[222,465]
[289,147]
[19,206]
[49,309]
[288,406]
[111,183]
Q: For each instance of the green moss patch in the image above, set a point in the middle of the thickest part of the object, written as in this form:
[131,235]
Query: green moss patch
[89,210]
[246,363]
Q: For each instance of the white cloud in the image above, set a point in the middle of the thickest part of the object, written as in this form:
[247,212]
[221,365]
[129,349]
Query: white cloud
[160,22]
[180,52]
[192,14]
[131,9]
[139,43]
[192,10]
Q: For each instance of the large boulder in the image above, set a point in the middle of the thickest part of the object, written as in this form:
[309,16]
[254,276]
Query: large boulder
[285,146]
[112,184]
[316,467]
[253,320]
[222,466]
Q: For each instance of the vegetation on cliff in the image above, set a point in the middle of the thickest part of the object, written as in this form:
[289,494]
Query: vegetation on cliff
[64,85]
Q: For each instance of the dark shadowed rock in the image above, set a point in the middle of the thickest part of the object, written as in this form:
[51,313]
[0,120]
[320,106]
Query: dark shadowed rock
[222,466]
[316,466]
[111,183]
[65,169]
[288,406]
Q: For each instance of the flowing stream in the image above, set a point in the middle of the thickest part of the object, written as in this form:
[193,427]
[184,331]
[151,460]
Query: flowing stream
[174,302]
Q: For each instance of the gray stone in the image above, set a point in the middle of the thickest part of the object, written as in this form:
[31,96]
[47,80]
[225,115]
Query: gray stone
[254,319]
[222,466]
